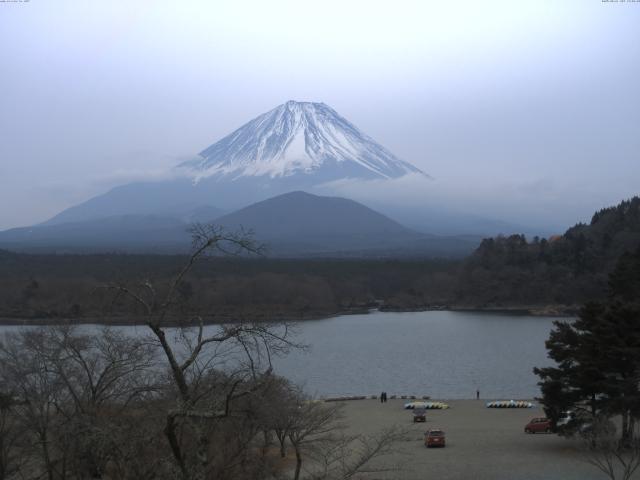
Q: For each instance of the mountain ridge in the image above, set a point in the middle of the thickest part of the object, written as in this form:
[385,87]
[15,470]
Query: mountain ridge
[295,224]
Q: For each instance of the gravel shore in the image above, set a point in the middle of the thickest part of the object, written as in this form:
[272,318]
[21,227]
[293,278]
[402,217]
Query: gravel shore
[482,443]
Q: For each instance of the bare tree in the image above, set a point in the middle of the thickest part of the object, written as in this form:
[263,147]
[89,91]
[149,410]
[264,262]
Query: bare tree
[38,392]
[12,438]
[352,456]
[204,397]
[313,427]
[280,405]
[110,368]
[103,375]
[69,391]
[317,433]
[616,458]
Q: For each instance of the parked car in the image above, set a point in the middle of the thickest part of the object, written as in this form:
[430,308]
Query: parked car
[565,418]
[538,425]
[419,415]
[434,438]
[580,422]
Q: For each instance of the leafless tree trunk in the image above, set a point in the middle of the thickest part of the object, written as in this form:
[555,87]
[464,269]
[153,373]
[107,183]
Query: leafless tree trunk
[201,402]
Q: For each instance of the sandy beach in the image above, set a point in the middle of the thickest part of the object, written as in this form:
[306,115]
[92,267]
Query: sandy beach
[482,443]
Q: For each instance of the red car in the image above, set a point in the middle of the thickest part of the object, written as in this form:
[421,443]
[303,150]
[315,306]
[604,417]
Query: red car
[434,438]
[537,425]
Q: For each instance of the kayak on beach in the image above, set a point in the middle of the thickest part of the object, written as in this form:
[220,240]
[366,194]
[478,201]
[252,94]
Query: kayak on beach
[509,404]
[426,405]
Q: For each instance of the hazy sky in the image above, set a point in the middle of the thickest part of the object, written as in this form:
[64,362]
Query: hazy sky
[521,110]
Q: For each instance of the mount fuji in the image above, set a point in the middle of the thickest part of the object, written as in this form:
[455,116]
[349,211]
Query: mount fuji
[295,146]
[298,138]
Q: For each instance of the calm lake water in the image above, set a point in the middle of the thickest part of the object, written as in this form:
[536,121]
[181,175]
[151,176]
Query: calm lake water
[442,354]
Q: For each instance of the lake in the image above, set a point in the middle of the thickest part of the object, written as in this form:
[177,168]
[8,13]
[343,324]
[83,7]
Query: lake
[443,354]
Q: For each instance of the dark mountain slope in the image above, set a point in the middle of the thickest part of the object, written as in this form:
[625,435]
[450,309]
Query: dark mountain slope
[302,215]
[131,233]
[301,224]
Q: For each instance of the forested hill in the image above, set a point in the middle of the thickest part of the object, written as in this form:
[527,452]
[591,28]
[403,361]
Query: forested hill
[560,273]
[566,269]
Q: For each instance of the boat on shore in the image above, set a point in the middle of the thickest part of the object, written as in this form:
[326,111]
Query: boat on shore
[509,404]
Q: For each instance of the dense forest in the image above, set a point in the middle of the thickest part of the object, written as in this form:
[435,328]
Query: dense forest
[543,275]
[562,270]
[49,287]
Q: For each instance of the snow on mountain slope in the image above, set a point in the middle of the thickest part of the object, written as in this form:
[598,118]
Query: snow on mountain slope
[298,138]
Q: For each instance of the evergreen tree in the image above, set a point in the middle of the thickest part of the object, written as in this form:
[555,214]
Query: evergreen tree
[598,355]
[624,281]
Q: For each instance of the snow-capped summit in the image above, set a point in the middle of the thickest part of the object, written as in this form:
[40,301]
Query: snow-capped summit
[296,138]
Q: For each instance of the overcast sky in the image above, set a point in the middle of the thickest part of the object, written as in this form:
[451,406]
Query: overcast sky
[520,110]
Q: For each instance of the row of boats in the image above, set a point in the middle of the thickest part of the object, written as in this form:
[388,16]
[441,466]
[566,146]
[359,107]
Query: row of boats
[509,404]
[494,404]
[426,405]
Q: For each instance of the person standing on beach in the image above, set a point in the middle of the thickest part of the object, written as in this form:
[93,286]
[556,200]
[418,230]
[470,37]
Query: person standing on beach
[477,394]
[382,397]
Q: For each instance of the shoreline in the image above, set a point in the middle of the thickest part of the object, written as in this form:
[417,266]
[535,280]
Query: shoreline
[530,310]
[534,311]
[426,398]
